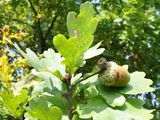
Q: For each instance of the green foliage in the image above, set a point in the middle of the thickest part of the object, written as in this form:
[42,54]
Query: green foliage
[115,96]
[112,97]
[138,84]
[77,95]
[13,104]
[98,110]
[93,51]
[39,108]
[45,67]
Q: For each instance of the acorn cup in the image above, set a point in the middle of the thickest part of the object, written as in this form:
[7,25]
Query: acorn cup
[114,75]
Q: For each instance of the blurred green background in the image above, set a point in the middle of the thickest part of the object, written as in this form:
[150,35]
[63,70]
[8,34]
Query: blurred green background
[129,29]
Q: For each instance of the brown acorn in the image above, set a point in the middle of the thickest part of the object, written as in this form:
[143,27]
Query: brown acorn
[123,76]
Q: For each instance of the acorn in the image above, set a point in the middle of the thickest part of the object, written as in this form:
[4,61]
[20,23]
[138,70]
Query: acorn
[114,75]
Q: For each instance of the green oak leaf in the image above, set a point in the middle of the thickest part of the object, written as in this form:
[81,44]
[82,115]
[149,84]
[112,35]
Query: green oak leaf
[50,63]
[29,117]
[14,103]
[39,108]
[45,86]
[97,109]
[81,29]
[112,96]
[93,51]
[76,78]
[46,68]
[91,91]
[59,101]
[49,78]
[32,58]
[93,107]
[138,84]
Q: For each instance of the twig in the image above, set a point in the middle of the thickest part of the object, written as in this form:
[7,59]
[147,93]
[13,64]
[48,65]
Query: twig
[42,40]
[50,27]
[87,77]
[34,10]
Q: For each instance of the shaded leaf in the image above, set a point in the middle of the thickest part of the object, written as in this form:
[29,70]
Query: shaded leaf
[91,91]
[59,101]
[112,96]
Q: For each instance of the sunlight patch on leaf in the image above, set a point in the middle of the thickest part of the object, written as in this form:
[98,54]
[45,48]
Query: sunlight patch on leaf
[93,51]
[138,84]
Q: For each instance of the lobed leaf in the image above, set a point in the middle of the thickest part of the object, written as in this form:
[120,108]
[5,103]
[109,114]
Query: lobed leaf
[97,109]
[14,103]
[81,28]
[49,78]
[93,51]
[138,84]
[51,61]
[112,96]
[38,108]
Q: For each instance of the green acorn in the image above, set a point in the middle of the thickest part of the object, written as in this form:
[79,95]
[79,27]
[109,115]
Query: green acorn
[114,75]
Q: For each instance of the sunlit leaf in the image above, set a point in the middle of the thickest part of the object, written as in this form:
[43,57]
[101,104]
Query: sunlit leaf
[99,110]
[51,61]
[138,84]
[93,51]
[14,103]
[49,78]
[39,108]
[81,28]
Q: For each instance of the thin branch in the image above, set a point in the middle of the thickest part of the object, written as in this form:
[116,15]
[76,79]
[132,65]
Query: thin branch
[42,40]
[87,77]
[34,10]
[50,27]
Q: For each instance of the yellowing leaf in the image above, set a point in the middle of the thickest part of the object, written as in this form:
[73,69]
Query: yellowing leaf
[5,71]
